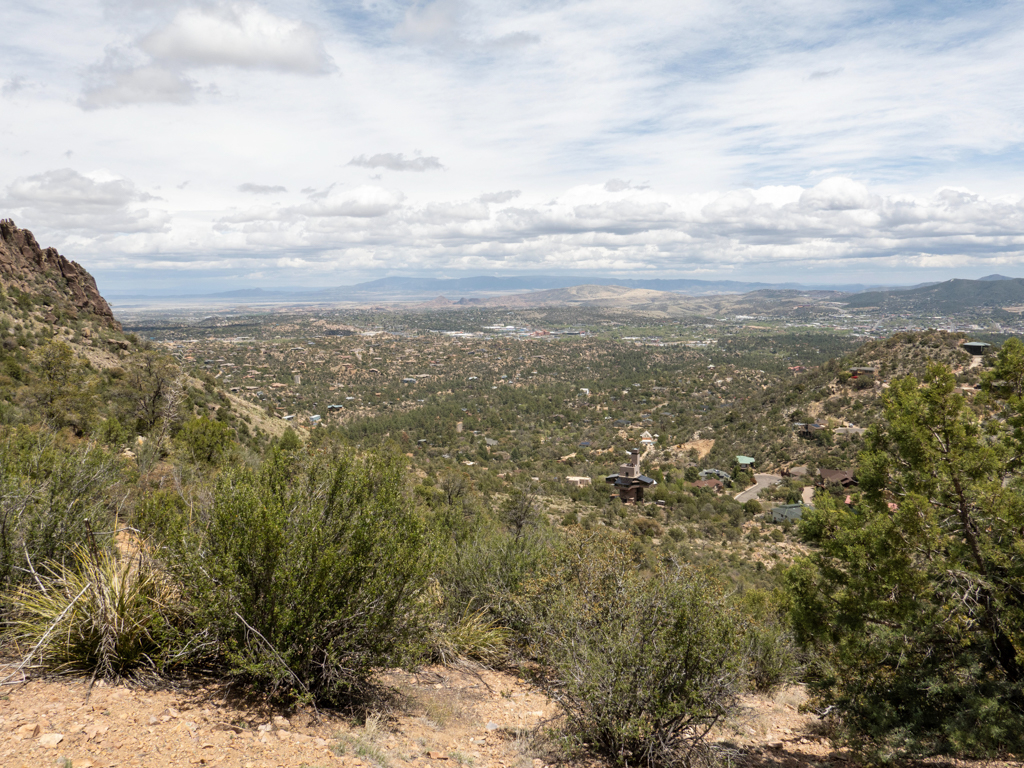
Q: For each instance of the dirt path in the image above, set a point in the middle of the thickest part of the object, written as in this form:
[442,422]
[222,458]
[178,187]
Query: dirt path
[441,718]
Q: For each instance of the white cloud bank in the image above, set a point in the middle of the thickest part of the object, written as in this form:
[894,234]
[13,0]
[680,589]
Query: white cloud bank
[399,162]
[240,35]
[98,205]
[778,233]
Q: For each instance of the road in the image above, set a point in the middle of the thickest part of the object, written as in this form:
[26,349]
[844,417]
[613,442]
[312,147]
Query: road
[760,483]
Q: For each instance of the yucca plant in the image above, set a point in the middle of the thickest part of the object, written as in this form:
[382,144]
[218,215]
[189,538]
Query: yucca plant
[98,613]
[474,635]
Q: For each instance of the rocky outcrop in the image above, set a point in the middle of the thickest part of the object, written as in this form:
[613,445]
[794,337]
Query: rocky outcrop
[32,269]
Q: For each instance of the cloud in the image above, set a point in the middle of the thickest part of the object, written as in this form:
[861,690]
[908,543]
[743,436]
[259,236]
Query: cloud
[435,22]
[118,81]
[12,85]
[454,25]
[66,199]
[398,162]
[837,224]
[241,35]
[821,74]
[837,194]
[260,189]
[499,197]
[618,185]
[363,202]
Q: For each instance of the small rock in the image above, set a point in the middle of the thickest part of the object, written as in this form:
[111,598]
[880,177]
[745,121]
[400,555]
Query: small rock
[491,726]
[265,728]
[29,731]
[283,735]
[226,727]
[281,722]
[93,730]
[51,739]
[437,755]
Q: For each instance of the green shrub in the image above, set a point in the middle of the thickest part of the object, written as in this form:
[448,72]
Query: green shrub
[486,568]
[204,441]
[912,602]
[769,645]
[642,664]
[309,572]
[48,489]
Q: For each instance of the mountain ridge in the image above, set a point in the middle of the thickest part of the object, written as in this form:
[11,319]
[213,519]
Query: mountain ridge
[32,269]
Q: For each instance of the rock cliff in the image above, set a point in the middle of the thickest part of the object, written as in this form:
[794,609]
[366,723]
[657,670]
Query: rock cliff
[32,269]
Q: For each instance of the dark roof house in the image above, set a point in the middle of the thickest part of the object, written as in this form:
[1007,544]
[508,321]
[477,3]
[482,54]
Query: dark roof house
[629,482]
[843,477]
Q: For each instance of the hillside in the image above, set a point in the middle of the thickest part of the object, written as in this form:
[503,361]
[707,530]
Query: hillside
[427,500]
[949,297]
[62,285]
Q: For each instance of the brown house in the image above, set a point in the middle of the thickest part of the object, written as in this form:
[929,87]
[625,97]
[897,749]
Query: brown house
[843,477]
[629,482]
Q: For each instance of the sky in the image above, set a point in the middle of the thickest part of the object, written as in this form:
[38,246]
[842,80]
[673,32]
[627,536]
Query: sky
[197,147]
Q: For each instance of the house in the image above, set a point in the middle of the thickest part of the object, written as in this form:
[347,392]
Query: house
[314,420]
[629,482]
[578,482]
[787,512]
[863,371]
[976,348]
[843,477]
[712,473]
[646,438]
[807,430]
[332,408]
[746,462]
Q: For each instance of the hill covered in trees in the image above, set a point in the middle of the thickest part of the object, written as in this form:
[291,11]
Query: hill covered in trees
[297,502]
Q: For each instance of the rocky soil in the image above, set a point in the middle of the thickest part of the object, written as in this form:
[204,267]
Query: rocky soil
[438,718]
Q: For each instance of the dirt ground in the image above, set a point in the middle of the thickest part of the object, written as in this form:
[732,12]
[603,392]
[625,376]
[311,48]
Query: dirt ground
[440,718]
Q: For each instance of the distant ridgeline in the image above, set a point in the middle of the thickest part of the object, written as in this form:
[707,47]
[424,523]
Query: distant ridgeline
[61,284]
[987,293]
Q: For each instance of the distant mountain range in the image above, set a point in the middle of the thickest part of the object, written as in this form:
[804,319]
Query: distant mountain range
[949,296]
[412,288]
[992,291]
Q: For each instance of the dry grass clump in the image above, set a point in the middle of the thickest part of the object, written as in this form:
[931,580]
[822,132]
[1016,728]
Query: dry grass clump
[98,612]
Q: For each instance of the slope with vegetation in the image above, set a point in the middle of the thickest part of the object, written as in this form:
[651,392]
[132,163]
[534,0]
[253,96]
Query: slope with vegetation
[155,525]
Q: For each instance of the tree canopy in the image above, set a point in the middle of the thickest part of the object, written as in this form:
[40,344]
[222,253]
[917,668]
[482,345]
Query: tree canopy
[914,599]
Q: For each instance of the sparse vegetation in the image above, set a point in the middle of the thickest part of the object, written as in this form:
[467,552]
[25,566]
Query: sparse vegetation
[428,513]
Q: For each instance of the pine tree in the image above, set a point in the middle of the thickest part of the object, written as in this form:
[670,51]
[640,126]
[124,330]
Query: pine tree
[914,600]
